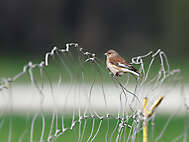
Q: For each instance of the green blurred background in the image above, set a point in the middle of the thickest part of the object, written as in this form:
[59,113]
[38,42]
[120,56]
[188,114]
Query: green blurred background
[29,29]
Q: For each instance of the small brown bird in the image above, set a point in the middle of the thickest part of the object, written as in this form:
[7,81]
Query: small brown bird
[117,65]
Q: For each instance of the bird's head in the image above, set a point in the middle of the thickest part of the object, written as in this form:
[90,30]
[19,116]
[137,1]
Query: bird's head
[111,53]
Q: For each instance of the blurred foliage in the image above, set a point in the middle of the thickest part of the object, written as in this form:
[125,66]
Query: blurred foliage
[130,26]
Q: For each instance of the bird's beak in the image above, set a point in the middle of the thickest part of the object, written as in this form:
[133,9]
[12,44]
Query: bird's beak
[105,54]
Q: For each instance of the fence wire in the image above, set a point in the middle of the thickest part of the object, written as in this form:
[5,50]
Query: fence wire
[72,82]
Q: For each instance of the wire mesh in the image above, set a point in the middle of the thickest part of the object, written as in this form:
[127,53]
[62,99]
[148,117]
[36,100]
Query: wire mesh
[74,82]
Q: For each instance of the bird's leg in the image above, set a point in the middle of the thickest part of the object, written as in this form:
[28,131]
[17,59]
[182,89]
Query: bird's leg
[117,74]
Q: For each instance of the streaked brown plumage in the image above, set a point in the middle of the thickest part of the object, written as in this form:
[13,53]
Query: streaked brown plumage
[117,65]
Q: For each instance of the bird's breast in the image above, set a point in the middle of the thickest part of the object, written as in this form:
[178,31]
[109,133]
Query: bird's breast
[113,68]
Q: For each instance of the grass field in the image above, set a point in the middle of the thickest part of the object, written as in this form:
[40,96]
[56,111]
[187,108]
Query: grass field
[22,125]
[10,67]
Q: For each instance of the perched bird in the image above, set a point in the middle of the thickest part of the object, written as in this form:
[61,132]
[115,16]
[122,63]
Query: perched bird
[117,65]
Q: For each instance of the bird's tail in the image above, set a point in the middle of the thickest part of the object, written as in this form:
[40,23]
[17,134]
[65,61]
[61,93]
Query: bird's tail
[138,74]
[135,73]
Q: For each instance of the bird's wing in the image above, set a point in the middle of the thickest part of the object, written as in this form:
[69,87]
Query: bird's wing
[120,62]
[127,66]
